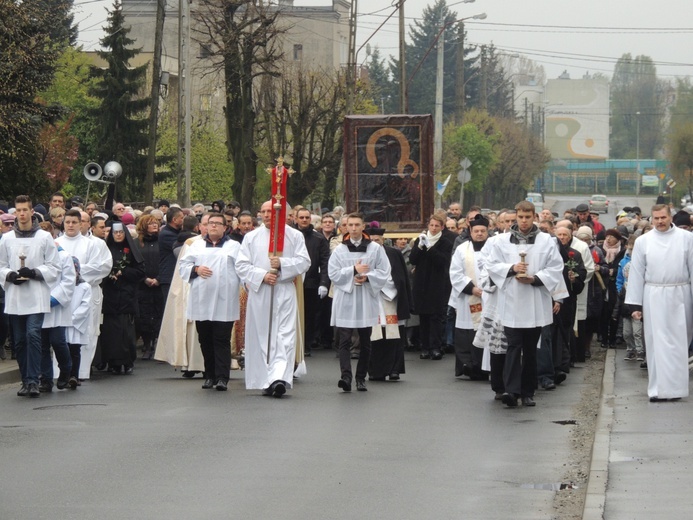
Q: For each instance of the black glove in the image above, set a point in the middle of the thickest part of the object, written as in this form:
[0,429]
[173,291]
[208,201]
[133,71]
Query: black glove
[12,278]
[27,272]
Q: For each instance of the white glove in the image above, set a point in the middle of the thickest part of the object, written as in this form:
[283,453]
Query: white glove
[322,292]
[423,240]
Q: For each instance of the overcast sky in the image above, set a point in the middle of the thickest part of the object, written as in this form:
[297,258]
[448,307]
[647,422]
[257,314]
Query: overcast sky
[589,35]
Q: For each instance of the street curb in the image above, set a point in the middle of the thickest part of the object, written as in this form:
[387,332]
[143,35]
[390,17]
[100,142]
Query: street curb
[9,373]
[599,464]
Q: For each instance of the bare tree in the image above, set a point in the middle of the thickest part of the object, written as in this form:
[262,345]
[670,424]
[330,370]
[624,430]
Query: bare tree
[302,115]
[241,39]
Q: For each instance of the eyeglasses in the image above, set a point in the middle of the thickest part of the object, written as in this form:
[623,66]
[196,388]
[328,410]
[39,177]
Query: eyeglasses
[215,223]
[8,224]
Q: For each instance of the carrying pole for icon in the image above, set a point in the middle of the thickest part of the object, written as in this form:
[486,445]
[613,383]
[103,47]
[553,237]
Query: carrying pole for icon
[280,174]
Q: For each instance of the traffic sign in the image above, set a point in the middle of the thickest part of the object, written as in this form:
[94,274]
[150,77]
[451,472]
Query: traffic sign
[465,163]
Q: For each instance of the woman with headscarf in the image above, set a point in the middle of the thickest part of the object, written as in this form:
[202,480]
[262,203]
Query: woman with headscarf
[120,301]
[149,296]
[613,254]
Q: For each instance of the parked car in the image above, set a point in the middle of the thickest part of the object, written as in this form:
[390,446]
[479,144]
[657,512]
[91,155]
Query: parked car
[537,199]
[599,203]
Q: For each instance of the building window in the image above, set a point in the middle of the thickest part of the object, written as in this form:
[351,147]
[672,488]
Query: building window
[298,52]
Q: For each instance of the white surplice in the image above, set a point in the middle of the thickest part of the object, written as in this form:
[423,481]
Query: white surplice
[33,296]
[217,297]
[62,290]
[522,305]
[95,263]
[661,268]
[252,265]
[460,276]
[78,332]
[356,306]
[584,250]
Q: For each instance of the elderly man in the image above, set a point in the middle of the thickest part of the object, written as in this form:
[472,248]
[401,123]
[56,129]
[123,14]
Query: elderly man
[660,285]
[467,298]
[270,284]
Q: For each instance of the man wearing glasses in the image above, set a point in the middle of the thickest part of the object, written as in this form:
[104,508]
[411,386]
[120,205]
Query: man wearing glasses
[209,265]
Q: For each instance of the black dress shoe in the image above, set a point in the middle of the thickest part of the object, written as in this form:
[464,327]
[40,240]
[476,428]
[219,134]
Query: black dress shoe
[425,355]
[344,385]
[498,397]
[62,385]
[559,378]
[45,387]
[267,392]
[361,385]
[73,382]
[370,378]
[548,386]
[222,385]
[509,400]
[394,376]
[209,383]
[33,390]
[436,355]
[189,374]
[23,391]
[528,401]
[278,388]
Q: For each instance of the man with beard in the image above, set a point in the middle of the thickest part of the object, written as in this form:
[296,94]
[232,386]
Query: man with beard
[660,285]
[316,283]
[467,298]
[551,361]
[527,283]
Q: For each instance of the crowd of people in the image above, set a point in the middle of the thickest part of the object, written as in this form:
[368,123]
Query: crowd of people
[516,296]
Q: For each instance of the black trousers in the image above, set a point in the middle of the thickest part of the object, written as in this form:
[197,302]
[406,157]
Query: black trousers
[76,355]
[311,306]
[497,366]
[467,354]
[345,352]
[431,331]
[215,343]
[520,370]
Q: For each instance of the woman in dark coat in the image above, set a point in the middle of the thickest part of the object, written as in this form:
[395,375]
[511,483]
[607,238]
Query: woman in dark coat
[613,249]
[150,299]
[430,256]
[120,301]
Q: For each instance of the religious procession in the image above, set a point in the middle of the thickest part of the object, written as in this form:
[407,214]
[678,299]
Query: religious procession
[517,297]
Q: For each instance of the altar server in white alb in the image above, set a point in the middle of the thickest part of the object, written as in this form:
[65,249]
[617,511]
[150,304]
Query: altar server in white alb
[77,335]
[95,262]
[526,297]
[29,264]
[660,284]
[469,299]
[359,270]
[254,267]
[209,265]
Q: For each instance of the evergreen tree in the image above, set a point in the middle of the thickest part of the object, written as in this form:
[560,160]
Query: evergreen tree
[380,84]
[497,93]
[122,113]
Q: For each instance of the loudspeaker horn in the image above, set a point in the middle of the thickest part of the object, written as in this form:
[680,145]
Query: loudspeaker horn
[92,171]
[112,171]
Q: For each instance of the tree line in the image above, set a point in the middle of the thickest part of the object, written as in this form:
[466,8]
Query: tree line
[58,110]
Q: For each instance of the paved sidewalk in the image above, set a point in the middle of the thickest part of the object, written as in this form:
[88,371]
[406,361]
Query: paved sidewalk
[9,371]
[642,460]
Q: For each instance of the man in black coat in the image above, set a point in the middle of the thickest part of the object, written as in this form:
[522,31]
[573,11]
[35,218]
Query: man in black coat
[167,238]
[316,281]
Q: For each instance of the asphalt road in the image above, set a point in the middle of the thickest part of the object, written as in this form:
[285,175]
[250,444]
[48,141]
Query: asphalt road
[560,203]
[153,445]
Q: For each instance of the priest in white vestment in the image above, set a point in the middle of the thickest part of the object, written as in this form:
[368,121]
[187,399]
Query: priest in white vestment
[660,283]
[95,262]
[468,299]
[526,294]
[275,293]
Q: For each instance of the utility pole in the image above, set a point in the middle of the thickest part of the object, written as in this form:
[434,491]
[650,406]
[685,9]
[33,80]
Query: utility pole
[438,131]
[484,96]
[351,62]
[184,104]
[459,75]
[403,92]
[154,107]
